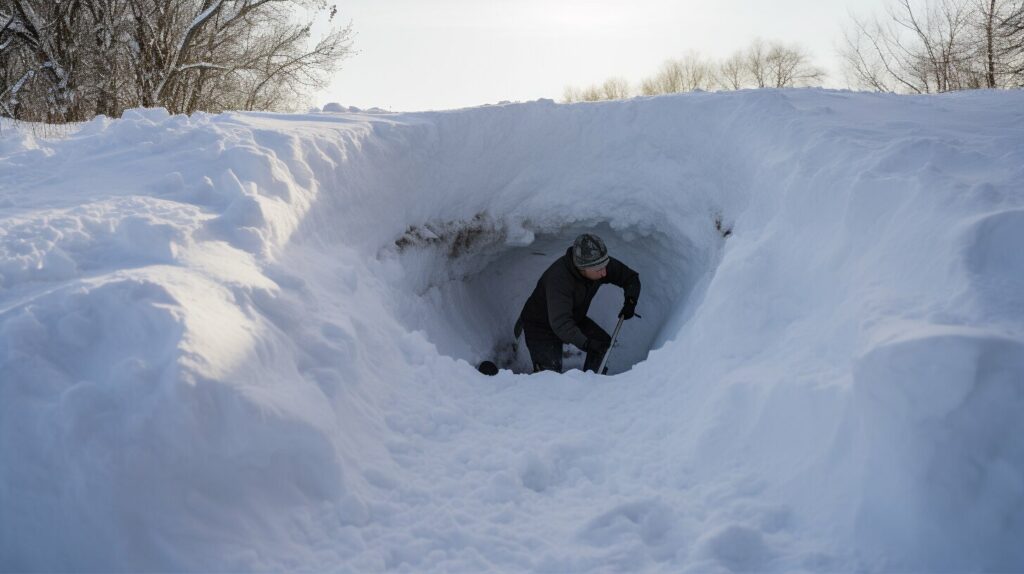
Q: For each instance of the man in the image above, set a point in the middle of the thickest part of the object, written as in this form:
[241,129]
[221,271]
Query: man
[556,312]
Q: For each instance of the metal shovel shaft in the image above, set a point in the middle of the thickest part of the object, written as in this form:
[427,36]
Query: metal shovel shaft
[615,335]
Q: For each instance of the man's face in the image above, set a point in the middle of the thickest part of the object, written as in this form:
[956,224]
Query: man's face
[595,273]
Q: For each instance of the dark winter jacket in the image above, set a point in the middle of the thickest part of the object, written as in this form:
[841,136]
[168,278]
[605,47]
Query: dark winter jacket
[562,298]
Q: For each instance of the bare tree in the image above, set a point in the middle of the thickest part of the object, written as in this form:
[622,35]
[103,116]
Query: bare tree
[997,55]
[109,57]
[790,66]
[756,61]
[572,94]
[870,62]
[691,72]
[1010,40]
[249,46]
[732,73]
[776,65]
[280,74]
[668,80]
[929,46]
[75,58]
[615,89]
[592,93]
[48,57]
[988,17]
[611,89]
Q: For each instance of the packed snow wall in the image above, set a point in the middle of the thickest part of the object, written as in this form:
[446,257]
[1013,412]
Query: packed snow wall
[504,195]
[247,341]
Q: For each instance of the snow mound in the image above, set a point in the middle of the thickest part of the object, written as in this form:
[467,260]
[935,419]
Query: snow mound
[247,341]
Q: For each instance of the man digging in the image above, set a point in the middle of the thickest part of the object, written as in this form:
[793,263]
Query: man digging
[556,312]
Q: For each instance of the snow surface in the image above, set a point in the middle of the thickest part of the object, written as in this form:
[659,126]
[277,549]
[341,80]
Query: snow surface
[246,341]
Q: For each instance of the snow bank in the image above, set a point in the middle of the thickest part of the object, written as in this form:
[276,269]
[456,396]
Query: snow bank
[246,341]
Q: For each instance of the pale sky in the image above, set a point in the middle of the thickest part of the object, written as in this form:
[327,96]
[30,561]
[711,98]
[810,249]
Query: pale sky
[441,54]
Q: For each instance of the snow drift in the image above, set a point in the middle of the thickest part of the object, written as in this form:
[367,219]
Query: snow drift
[246,341]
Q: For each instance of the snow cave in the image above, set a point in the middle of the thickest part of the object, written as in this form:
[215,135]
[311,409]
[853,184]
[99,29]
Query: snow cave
[472,278]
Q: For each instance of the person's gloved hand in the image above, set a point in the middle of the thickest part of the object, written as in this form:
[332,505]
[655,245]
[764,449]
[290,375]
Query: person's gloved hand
[597,346]
[628,308]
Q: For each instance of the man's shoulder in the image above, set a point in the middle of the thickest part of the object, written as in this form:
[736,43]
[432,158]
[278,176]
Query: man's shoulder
[618,263]
[558,270]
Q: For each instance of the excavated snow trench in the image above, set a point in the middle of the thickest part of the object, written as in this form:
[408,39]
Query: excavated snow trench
[467,282]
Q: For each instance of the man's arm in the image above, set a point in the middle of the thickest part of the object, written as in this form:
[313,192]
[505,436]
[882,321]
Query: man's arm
[560,315]
[620,274]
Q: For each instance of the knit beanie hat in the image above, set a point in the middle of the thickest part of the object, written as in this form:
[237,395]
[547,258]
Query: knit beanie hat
[589,251]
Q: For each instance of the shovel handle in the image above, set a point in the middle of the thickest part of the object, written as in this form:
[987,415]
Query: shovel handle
[615,335]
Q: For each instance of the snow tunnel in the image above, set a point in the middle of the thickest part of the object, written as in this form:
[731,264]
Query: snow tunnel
[472,207]
[467,281]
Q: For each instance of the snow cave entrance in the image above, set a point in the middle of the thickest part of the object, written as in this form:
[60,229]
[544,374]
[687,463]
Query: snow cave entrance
[468,280]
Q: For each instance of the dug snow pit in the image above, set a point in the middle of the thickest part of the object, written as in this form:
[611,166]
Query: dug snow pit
[466,283]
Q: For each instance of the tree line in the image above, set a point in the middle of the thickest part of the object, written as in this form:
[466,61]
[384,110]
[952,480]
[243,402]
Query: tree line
[916,46]
[761,65]
[70,60]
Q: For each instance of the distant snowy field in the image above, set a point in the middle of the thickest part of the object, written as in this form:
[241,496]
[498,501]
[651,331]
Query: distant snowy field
[247,341]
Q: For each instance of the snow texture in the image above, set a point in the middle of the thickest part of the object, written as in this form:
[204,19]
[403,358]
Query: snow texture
[246,342]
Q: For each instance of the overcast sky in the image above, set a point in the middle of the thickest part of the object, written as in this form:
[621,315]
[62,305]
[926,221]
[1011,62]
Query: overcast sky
[439,54]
